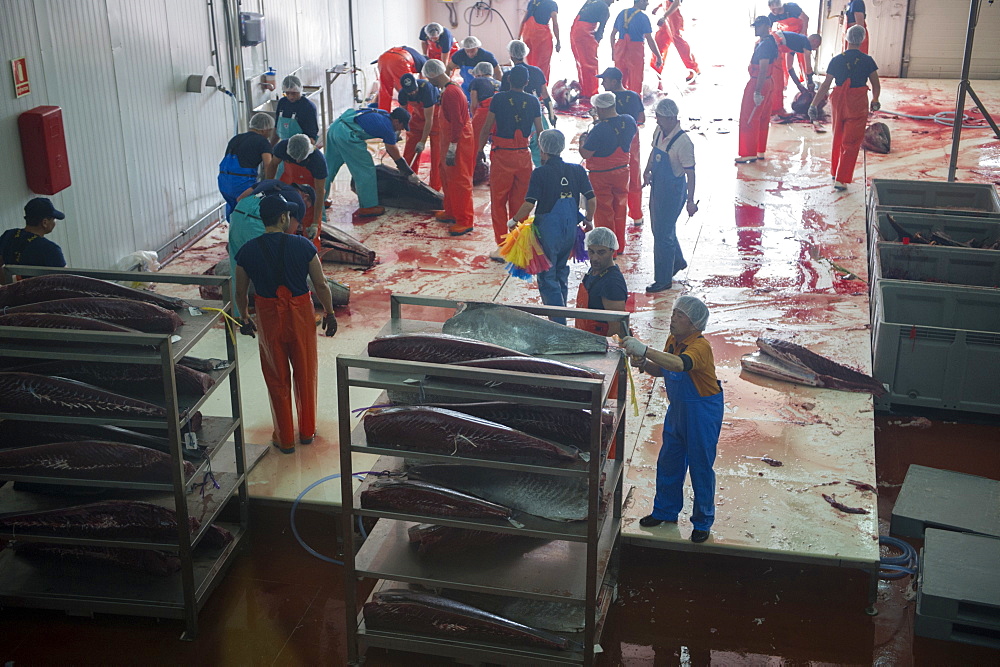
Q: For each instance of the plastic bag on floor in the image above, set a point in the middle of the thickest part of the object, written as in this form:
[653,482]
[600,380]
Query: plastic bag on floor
[140,261]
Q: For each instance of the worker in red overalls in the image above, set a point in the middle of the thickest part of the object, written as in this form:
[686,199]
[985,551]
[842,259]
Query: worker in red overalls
[437,42]
[457,149]
[630,103]
[668,31]
[855,14]
[632,27]
[419,96]
[511,117]
[303,164]
[535,32]
[586,33]
[606,150]
[765,77]
[790,43]
[852,70]
[392,65]
[481,92]
[788,17]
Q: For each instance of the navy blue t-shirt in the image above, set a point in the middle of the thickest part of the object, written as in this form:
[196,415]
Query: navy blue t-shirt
[542,10]
[610,135]
[514,110]
[19,246]
[418,58]
[796,42]
[790,11]
[462,59]
[536,79]
[608,285]
[291,193]
[314,162]
[855,7]
[426,94]
[595,11]
[766,49]
[484,86]
[853,65]
[304,112]
[629,102]
[634,23]
[444,40]
[261,258]
[377,124]
[248,148]
[557,180]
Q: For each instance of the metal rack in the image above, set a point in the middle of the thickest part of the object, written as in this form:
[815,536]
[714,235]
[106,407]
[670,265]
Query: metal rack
[579,564]
[85,588]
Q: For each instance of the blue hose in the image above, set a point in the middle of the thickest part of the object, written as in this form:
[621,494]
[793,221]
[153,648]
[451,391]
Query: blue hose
[897,567]
[941,118]
[295,530]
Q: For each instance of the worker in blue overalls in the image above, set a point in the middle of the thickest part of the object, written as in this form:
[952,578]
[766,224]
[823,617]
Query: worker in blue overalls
[694,417]
[345,143]
[245,153]
[465,60]
[555,189]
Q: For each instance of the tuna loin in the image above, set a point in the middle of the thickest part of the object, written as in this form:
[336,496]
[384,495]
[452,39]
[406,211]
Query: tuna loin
[566,425]
[438,431]
[521,331]
[138,315]
[432,539]
[435,348]
[425,614]
[429,499]
[65,286]
[160,563]
[15,433]
[124,377]
[53,321]
[28,393]
[532,365]
[91,459]
[828,373]
[111,519]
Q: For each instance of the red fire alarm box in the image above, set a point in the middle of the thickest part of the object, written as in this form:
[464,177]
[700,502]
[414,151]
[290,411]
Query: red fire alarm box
[43,145]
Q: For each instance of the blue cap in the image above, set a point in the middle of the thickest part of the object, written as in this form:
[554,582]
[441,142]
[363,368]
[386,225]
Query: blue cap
[40,208]
[611,73]
[272,206]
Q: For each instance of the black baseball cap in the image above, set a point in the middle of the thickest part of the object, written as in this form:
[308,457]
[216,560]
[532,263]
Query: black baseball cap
[611,73]
[761,20]
[272,206]
[402,115]
[40,208]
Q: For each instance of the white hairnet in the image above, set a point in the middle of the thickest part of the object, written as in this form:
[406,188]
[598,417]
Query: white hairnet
[604,100]
[695,309]
[552,142]
[518,50]
[666,107]
[291,83]
[262,121]
[855,34]
[432,68]
[433,29]
[601,236]
[482,69]
[471,42]
[299,147]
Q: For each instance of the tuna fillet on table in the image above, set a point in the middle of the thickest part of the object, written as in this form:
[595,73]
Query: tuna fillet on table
[521,331]
[144,317]
[91,459]
[121,377]
[428,499]
[67,286]
[435,348]
[535,366]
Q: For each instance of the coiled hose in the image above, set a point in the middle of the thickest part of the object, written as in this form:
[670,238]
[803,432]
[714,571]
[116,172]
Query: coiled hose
[897,567]
[295,505]
[944,118]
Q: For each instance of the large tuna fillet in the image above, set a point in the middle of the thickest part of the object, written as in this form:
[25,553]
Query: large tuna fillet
[144,317]
[521,331]
[429,499]
[65,286]
[124,377]
[111,519]
[438,540]
[91,459]
[532,365]
[806,367]
[425,614]
[438,431]
[541,614]
[16,433]
[147,561]
[31,394]
[68,322]
[551,497]
[434,348]
[566,425]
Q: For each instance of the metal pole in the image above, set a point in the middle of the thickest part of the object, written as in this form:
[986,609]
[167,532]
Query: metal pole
[963,85]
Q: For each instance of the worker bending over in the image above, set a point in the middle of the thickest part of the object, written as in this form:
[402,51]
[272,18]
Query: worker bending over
[632,28]
[584,37]
[788,44]
[392,65]
[852,70]
[554,192]
[787,17]
[694,417]
[346,143]
[437,42]
[245,153]
[755,111]
[629,103]
[303,164]
[457,149]
[295,114]
[605,148]
[420,97]
[669,29]
[512,116]
[278,264]
[471,55]
[537,35]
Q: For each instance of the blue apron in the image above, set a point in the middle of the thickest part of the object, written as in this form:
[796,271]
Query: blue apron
[536,154]
[690,438]
[467,78]
[234,180]
[288,127]
[666,201]
[557,233]
[245,225]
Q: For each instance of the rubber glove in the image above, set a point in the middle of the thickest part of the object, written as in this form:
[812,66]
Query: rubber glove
[511,224]
[757,99]
[330,324]
[449,157]
[249,328]
[875,106]
[310,232]
[633,347]
[420,147]
[404,168]
[813,113]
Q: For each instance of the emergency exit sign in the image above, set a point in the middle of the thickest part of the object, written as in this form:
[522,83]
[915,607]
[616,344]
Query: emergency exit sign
[22,86]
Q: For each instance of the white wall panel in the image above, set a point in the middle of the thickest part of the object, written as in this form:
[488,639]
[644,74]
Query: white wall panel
[936,45]
[492,31]
[886,21]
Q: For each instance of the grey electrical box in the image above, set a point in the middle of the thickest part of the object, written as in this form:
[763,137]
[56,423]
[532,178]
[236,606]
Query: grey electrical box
[252,30]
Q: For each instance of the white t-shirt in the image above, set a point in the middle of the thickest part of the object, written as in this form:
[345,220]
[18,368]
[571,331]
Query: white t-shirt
[681,154]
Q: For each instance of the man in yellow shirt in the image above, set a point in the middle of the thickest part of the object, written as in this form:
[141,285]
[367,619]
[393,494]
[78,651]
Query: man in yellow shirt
[694,417]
